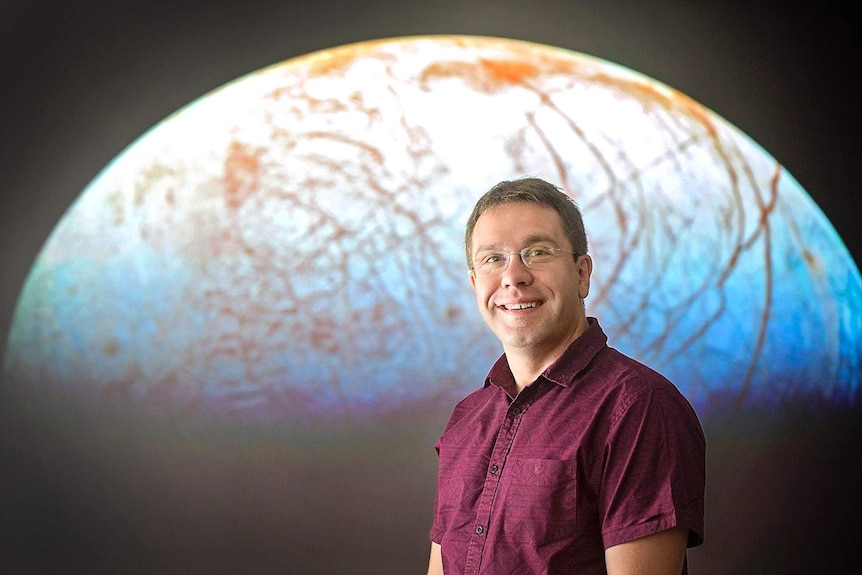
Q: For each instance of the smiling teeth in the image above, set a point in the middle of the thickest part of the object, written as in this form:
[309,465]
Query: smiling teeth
[522,305]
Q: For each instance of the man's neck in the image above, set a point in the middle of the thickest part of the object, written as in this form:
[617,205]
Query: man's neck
[525,377]
[527,364]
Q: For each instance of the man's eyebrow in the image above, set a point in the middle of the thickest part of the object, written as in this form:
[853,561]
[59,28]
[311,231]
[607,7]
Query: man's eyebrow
[488,248]
[540,239]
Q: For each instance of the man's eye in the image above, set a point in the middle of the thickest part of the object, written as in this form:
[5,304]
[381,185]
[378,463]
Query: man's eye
[492,259]
[538,251]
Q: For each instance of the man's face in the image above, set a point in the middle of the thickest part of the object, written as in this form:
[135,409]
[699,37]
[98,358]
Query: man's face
[536,310]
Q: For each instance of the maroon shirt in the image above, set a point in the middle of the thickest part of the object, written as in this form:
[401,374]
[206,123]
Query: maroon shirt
[598,451]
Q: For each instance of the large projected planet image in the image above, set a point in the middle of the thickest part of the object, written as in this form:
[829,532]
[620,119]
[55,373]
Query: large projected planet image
[285,253]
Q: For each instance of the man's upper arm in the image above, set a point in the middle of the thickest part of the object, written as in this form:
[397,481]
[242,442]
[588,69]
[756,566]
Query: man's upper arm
[662,553]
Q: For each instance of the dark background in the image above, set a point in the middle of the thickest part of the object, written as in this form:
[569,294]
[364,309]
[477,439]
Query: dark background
[83,80]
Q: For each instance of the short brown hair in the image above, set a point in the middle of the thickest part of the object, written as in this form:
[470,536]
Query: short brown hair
[532,191]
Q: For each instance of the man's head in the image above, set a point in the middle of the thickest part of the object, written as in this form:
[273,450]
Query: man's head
[532,191]
[526,245]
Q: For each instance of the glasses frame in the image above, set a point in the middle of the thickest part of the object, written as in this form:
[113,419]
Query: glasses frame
[523,254]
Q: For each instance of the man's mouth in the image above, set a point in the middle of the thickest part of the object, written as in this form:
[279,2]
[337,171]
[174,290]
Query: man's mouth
[518,306]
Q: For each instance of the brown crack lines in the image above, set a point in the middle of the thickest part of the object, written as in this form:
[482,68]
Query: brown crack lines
[732,218]
[766,209]
[384,246]
[628,241]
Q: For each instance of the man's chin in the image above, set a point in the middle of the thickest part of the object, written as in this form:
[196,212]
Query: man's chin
[519,339]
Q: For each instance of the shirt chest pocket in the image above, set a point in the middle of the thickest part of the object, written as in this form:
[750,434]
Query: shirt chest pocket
[538,503]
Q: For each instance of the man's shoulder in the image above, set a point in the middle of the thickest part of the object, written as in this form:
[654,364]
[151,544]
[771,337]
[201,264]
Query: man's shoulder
[477,396]
[627,378]
[628,370]
[633,382]
[478,399]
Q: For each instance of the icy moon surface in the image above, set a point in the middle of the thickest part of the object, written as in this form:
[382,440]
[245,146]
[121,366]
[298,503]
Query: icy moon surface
[290,245]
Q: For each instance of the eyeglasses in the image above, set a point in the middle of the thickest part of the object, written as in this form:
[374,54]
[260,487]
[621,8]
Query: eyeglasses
[495,263]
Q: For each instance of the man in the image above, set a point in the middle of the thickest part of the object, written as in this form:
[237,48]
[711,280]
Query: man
[572,458]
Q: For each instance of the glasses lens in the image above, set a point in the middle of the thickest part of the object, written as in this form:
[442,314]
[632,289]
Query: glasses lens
[492,263]
[537,255]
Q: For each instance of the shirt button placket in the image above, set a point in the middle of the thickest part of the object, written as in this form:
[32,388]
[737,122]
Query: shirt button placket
[505,437]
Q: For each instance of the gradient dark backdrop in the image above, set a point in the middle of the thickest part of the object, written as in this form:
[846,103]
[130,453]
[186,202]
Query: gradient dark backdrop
[82,81]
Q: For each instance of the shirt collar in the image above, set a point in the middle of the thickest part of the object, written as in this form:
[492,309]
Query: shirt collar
[564,370]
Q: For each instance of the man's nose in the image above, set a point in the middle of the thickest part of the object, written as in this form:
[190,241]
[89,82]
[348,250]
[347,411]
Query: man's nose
[516,272]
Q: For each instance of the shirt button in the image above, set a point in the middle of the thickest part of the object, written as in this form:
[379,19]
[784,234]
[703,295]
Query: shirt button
[495,468]
[516,411]
[480,529]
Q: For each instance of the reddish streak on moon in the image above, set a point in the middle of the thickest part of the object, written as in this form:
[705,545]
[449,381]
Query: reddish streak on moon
[508,72]
[241,174]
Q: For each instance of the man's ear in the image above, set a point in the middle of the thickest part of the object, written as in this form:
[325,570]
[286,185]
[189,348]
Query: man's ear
[585,270]
[473,279]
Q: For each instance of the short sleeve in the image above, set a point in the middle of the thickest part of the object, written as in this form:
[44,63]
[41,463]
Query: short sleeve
[654,469]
